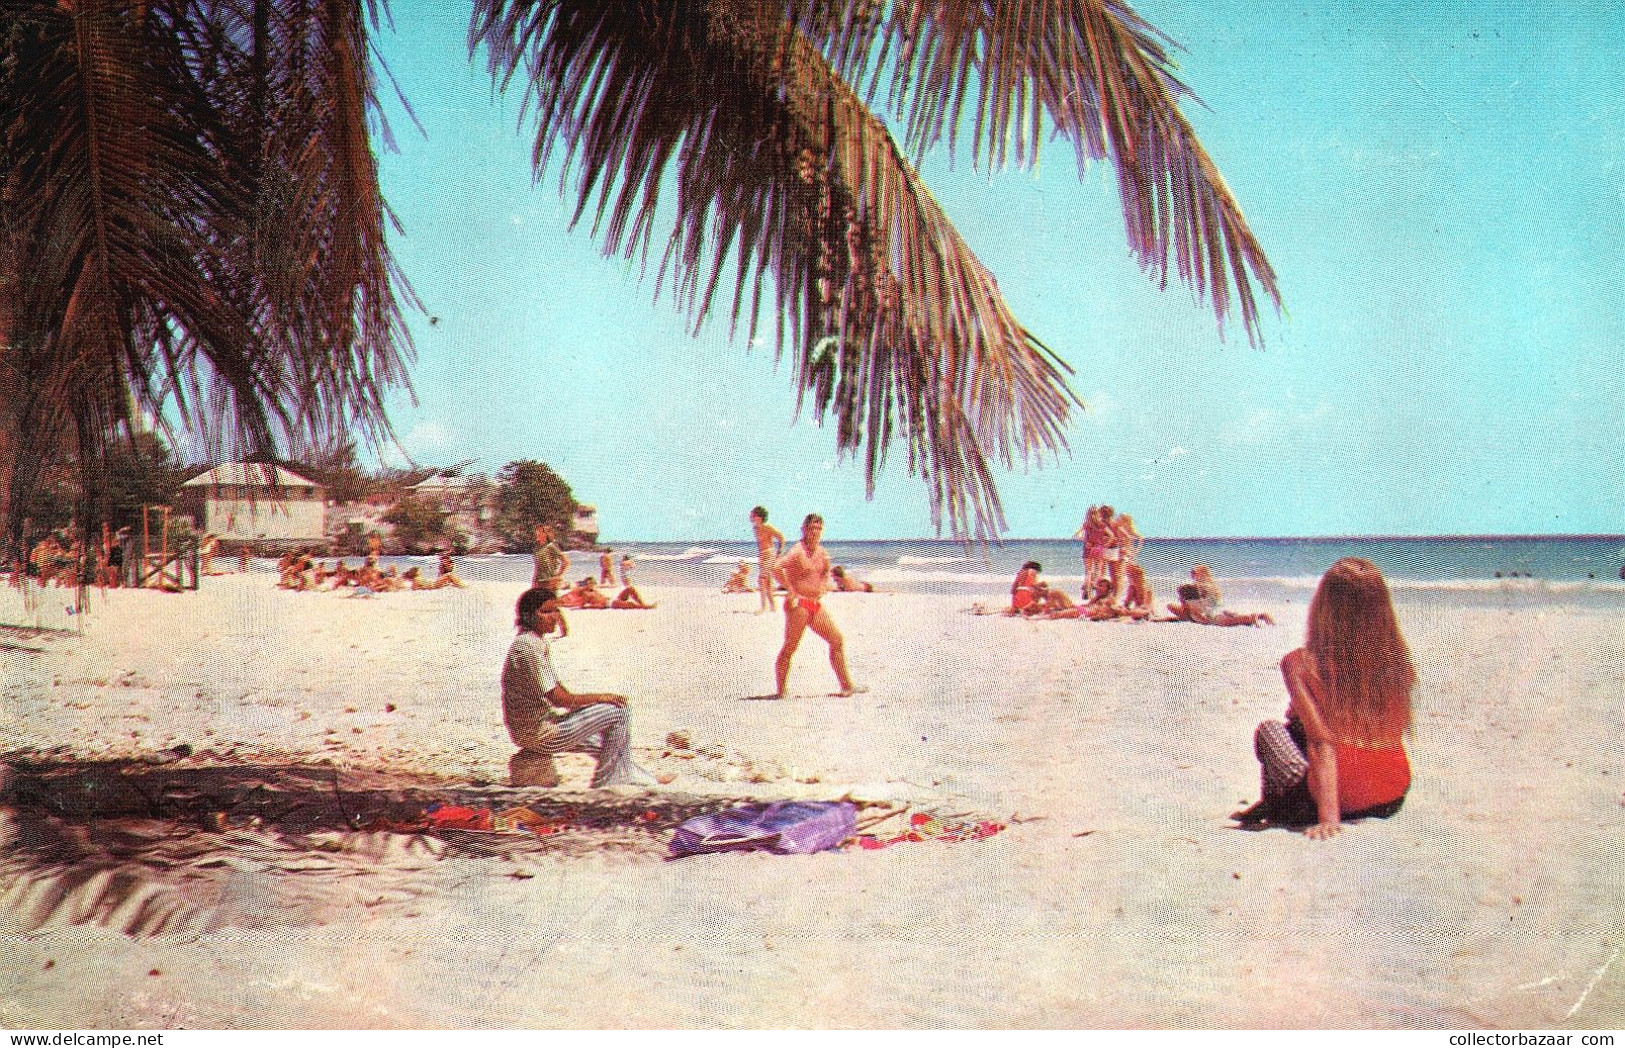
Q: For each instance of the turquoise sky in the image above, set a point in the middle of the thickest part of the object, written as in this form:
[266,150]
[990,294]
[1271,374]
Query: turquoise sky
[1439,186]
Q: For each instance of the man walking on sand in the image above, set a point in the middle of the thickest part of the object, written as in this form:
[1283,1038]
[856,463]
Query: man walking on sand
[769,545]
[805,573]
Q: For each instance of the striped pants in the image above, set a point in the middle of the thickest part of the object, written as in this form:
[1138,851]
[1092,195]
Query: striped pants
[1284,773]
[602,730]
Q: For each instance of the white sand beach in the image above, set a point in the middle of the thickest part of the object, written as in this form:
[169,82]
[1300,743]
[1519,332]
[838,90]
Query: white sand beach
[1118,896]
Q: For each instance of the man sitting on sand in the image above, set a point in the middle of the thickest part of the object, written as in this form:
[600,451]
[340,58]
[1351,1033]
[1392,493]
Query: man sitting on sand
[805,573]
[543,717]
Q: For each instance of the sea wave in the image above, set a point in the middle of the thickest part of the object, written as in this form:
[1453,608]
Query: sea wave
[692,553]
[906,559]
[720,558]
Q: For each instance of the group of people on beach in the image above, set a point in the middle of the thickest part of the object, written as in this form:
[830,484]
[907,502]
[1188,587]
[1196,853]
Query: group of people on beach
[544,718]
[552,563]
[1338,753]
[300,571]
[1115,585]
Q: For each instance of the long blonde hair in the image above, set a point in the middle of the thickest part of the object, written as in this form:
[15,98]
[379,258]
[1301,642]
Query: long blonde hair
[1360,655]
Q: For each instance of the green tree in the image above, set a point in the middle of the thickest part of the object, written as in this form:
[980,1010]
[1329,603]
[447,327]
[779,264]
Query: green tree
[420,525]
[192,224]
[530,493]
[141,472]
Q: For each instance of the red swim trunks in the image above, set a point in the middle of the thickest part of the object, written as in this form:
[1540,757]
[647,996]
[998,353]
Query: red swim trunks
[807,603]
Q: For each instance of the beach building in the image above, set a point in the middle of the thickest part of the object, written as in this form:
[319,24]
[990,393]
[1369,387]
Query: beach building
[265,506]
[585,525]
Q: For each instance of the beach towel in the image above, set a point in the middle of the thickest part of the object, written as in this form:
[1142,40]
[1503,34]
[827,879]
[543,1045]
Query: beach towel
[784,827]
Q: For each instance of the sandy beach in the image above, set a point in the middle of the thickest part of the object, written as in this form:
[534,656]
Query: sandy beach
[1117,896]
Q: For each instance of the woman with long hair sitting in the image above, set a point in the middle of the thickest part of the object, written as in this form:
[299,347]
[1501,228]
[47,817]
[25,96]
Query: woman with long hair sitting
[1340,753]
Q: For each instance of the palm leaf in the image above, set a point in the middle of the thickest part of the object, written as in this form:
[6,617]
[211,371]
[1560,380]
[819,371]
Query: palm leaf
[1093,72]
[789,192]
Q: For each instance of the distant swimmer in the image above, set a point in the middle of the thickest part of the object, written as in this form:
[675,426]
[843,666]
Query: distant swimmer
[769,546]
[805,572]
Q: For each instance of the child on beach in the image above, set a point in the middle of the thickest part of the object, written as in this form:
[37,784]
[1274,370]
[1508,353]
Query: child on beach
[1340,753]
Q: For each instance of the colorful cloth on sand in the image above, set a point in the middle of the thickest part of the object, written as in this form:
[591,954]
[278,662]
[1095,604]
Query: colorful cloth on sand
[923,827]
[785,827]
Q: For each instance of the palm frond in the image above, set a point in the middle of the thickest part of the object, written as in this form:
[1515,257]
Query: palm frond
[193,231]
[1091,71]
[789,193]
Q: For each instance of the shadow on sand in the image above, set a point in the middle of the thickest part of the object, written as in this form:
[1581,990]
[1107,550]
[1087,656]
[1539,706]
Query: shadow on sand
[194,844]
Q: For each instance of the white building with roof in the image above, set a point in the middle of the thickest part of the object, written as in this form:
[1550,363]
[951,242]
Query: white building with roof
[257,503]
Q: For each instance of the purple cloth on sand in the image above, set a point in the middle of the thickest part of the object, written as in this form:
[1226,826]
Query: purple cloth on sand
[785,827]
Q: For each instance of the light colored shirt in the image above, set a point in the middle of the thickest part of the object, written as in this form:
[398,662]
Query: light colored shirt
[527,677]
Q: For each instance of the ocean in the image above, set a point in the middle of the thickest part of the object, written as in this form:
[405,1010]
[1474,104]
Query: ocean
[1498,569]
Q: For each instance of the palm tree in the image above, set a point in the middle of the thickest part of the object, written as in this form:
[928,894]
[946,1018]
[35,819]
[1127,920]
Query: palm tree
[193,230]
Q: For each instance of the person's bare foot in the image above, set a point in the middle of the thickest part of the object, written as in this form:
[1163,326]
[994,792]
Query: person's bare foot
[851,690]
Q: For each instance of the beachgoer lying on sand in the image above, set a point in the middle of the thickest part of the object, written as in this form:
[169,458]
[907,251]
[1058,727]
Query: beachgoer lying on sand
[739,581]
[1102,604]
[846,583]
[543,717]
[1340,754]
[585,594]
[295,570]
[1025,590]
[1199,603]
[630,598]
[1054,599]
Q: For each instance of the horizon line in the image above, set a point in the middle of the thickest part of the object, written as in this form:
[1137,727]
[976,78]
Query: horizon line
[1488,537]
